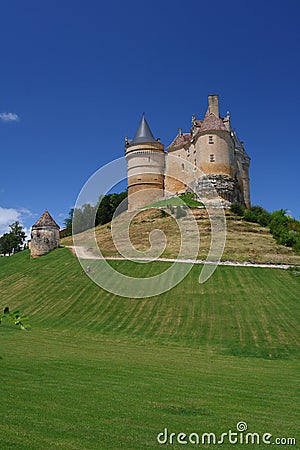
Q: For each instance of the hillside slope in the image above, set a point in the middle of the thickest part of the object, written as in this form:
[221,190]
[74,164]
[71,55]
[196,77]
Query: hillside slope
[98,371]
[246,311]
[245,241]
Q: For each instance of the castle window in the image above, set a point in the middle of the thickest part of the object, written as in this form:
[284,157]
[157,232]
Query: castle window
[182,166]
[210,139]
[139,179]
[212,157]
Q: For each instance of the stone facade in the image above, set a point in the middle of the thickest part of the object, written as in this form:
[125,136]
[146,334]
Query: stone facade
[44,236]
[211,147]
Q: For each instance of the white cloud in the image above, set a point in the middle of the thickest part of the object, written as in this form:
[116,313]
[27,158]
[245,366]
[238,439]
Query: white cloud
[9,117]
[10,215]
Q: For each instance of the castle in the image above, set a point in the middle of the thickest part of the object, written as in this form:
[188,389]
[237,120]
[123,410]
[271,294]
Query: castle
[209,155]
[212,146]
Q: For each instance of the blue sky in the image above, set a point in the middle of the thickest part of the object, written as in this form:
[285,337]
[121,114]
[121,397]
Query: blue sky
[77,76]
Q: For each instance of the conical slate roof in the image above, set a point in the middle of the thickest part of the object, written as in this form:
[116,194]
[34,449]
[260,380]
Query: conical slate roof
[143,134]
[45,221]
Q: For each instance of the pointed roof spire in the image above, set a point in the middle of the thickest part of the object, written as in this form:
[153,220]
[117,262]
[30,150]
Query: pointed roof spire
[143,134]
[45,221]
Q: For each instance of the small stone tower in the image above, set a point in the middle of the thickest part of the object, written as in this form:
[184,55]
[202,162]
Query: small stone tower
[146,164]
[44,236]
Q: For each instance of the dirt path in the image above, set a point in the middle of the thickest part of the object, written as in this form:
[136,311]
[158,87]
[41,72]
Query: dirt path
[86,253]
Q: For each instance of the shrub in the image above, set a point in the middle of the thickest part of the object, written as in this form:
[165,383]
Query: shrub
[180,212]
[257,214]
[237,209]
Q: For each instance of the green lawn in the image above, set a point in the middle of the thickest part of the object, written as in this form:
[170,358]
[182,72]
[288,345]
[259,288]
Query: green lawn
[103,372]
[183,199]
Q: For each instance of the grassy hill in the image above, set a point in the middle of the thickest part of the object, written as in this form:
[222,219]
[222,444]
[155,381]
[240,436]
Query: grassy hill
[100,371]
[245,241]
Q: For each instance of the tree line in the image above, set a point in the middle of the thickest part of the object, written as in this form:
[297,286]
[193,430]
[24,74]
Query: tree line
[88,216]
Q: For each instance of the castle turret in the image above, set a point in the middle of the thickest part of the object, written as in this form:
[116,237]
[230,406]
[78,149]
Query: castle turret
[44,236]
[146,162]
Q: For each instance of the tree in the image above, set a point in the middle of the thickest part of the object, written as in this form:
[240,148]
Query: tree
[108,205]
[68,222]
[6,244]
[13,241]
[18,234]
[88,216]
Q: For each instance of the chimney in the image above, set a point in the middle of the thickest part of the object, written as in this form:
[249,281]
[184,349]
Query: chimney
[213,104]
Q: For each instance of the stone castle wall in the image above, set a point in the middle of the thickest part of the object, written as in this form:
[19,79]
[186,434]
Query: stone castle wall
[43,240]
[214,153]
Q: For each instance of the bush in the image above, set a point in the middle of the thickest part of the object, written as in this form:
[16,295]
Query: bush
[237,209]
[284,229]
[180,212]
[257,214]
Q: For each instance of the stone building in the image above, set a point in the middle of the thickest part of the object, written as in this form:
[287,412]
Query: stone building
[211,145]
[44,236]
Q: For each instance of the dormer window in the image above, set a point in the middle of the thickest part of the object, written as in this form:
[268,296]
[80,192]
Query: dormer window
[210,139]
[212,157]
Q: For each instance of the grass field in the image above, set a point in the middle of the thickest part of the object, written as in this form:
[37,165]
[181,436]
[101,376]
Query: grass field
[98,371]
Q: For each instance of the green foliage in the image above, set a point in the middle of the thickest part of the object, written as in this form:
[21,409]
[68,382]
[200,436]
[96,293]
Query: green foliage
[15,318]
[180,212]
[108,205]
[171,208]
[257,214]
[284,228]
[237,209]
[13,241]
[6,244]
[190,199]
[295,271]
[81,219]
[68,223]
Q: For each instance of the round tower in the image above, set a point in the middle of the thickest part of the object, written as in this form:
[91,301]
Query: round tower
[44,236]
[146,163]
[214,145]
